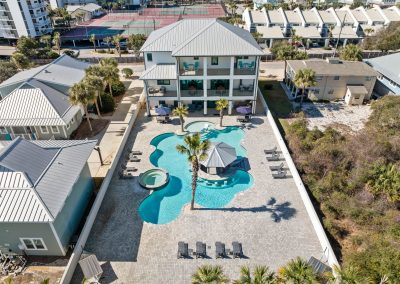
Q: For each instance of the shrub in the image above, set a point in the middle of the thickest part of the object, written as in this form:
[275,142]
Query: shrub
[118,89]
[108,103]
[52,54]
[70,53]
[128,72]
[101,51]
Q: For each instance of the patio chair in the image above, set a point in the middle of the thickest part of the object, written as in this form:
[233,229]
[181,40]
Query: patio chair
[277,168]
[241,119]
[196,66]
[271,151]
[241,88]
[201,250]
[252,65]
[273,157]
[136,152]
[250,88]
[160,119]
[240,63]
[129,169]
[237,250]
[185,66]
[183,250]
[279,174]
[134,159]
[220,250]
[124,174]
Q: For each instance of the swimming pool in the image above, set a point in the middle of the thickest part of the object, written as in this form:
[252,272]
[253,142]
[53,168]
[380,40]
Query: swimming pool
[199,126]
[165,205]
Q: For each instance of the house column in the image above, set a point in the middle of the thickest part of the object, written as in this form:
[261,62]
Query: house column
[146,91]
[255,89]
[205,84]
[270,43]
[231,74]
[178,82]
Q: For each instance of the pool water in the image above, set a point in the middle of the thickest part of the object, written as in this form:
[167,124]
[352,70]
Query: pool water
[199,126]
[165,205]
[153,179]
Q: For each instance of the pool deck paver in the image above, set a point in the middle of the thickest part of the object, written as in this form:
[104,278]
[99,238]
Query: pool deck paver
[269,219]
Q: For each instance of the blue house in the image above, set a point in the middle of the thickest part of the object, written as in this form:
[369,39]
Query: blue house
[388,67]
[45,187]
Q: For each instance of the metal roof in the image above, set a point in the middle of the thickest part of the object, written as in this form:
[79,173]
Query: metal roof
[359,15]
[90,7]
[275,17]
[270,32]
[346,32]
[160,71]
[22,201]
[307,32]
[374,15]
[388,65]
[327,17]
[310,17]
[293,16]
[392,14]
[358,90]
[258,17]
[342,14]
[219,155]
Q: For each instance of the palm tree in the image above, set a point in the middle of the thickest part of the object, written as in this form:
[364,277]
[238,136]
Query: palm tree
[46,40]
[110,76]
[233,7]
[220,105]
[195,150]
[108,62]
[368,31]
[261,275]
[351,52]
[81,94]
[348,275]
[208,274]
[117,42]
[93,41]
[257,36]
[97,84]
[45,281]
[181,111]
[107,40]
[297,271]
[57,41]
[304,78]
[8,280]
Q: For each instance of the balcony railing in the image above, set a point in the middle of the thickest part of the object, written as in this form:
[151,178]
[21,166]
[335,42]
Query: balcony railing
[192,93]
[218,71]
[245,71]
[191,72]
[242,93]
[166,94]
[217,93]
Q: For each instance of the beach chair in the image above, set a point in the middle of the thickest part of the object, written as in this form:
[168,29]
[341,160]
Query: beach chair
[135,152]
[201,250]
[133,159]
[185,66]
[220,250]
[183,250]
[196,66]
[252,65]
[241,119]
[273,157]
[271,151]
[279,174]
[240,63]
[237,250]
[277,168]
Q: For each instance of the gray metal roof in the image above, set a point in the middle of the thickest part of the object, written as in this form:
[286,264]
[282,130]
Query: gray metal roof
[344,32]
[270,32]
[53,168]
[307,32]
[160,71]
[219,155]
[202,37]
[392,14]
[388,65]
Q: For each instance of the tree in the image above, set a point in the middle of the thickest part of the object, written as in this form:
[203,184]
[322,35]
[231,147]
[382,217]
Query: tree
[46,40]
[348,275]
[128,72]
[368,31]
[82,94]
[135,42]
[303,79]
[93,41]
[7,70]
[351,52]
[57,41]
[208,274]
[45,281]
[117,43]
[261,275]
[26,46]
[297,271]
[257,36]
[20,60]
[220,106]
[196,150]
[232,6]
[181,112]
[107,40]
[97,84]
[108,62]
[384,179]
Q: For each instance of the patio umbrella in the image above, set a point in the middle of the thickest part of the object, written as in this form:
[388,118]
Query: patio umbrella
[244,109]
[219,155]
[162,110]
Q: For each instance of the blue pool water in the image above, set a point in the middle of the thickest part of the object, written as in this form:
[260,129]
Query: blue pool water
[198,126]
[165,205]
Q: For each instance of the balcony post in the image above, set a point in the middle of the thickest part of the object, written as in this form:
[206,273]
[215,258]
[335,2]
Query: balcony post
[205,84]
[146,91]
[256,78]
[231,76]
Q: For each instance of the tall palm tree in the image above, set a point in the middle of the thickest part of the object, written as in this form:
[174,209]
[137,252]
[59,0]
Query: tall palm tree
[181,111]
[107,40]
[233,7]
[220,106]
[81,94]
[97,84]
[57,41]
[351,52]
[297,271]
[110,76]
[117,42]
[261,275]
[208,274]
[304,78]
[93,41]
[196,151]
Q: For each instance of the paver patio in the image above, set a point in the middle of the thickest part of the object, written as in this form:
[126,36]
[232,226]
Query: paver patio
[269,219]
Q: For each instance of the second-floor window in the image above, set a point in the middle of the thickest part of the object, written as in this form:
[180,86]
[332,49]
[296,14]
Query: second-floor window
[214,60]
[149,57]
[163,82]
[336,78]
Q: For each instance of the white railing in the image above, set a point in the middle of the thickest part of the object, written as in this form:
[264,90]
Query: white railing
[323,239]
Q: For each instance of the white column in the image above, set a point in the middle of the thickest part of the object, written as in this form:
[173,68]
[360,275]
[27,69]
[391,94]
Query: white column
[147,97]
[231,74]
[256,82]
[205,84]
[270,43]
[230,107]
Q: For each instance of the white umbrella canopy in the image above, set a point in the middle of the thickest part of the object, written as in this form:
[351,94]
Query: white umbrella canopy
[219,155]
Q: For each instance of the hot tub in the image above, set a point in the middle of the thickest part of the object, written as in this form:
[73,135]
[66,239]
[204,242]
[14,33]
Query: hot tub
[154,179]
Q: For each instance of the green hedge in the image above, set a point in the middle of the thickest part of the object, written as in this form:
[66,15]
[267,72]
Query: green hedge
[118,89]
[108,103]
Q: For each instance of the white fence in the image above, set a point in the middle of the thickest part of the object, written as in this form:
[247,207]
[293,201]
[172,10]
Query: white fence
[323,239]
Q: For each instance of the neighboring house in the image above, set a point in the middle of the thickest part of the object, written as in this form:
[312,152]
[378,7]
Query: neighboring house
[336,79]
[86,12]
[199,61]
[62,3]
[35,102]
[24,18]
[45,187]
[388,68]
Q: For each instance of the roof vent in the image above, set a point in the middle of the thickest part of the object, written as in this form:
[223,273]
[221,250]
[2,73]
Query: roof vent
[333,60]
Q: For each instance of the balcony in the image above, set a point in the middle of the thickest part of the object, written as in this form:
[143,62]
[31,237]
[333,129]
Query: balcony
[192,93]
[191,72]
[218,72]
[161,92]
[189,66]
[217,93]
[242,93]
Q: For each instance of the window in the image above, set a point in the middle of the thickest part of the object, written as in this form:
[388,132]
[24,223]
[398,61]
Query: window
[33,243]
[331,92]
[316,91]
[149,57]
[54,129]
[196,58]
[163,82]
[336,78]
[68,125]
[44,129]
[214,60]
[72,120]
[318,78]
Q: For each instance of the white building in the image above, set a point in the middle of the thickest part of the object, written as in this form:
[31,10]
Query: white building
[62,3]
[199,61]
[24,18]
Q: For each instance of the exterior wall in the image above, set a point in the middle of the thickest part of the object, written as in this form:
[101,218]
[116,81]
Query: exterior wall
[158,57]
[77,121]
[223,62]
[10,234]
[384,87]
[68,219]
[171,87]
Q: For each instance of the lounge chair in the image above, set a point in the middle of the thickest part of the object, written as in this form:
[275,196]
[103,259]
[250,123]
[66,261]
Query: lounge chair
[183,250]
[277,168]
[273,157]
[237,249]
[220,250]
[185,66]
[240,63]
[133,159]
[135,152]
[129,169]
[271,151]
[124,174]
[279,174]
[201,250]
[196,66]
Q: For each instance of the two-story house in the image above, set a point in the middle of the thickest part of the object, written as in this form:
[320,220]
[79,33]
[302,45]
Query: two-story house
[199,61]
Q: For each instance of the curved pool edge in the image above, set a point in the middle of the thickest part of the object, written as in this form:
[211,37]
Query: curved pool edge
[153,187]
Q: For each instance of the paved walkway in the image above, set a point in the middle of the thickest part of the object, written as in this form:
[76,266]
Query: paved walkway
[269,219]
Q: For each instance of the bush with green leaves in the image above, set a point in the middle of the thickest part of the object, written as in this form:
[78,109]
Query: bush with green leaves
[7,70]
[128,72]
[107,103]
[118,89]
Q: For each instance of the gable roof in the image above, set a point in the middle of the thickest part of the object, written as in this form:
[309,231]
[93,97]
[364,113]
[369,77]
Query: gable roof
[36,178]
[388,65]
[160,71]
[202,37]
